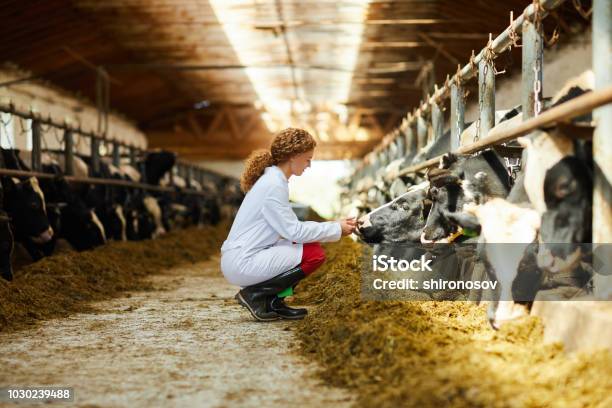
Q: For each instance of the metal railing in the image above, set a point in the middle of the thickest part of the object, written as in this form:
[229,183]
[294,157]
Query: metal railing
[413,129]
[119,151]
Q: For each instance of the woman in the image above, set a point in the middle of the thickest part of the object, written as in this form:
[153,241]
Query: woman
[268,250]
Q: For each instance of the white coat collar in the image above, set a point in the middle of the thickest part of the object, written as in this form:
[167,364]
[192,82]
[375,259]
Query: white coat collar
[278,171]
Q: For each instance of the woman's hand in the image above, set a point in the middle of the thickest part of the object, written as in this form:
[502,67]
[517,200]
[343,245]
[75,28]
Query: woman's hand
[348,226]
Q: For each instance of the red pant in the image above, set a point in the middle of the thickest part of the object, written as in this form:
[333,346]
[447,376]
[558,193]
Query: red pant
[313,256]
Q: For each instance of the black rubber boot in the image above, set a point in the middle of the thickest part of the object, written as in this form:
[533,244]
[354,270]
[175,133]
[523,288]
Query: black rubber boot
[279,306]
[258,298]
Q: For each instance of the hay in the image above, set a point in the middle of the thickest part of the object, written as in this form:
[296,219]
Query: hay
[62,284]
[433,354]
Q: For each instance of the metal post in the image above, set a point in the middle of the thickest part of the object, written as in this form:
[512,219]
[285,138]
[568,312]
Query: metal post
[486,97]
[437,120]
[400,142]
[133,155]
[116,154]
[68,153]
[421,127]
[602,144]
[412,143]
[36,145]
[188,174]
[457,115]
[95,156]
[533,51]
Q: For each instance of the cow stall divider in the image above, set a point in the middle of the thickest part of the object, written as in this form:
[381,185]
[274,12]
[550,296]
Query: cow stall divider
[118,151]
[528,28]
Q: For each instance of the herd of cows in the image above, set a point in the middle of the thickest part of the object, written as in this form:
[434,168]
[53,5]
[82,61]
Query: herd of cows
[526,226]
[37,212]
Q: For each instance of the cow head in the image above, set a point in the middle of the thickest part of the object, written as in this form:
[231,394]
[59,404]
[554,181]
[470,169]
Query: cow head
[25,202]
[399,221]
[461,181]
[81,226]
[157,164]
[568,190]
[508,230]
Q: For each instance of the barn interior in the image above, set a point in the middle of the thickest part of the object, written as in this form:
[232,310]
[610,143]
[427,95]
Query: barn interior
[214,80]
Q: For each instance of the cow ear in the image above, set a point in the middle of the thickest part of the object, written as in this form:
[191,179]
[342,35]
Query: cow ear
[524,141]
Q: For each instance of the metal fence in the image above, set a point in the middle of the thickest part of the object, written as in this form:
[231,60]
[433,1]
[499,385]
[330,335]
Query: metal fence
[412,134]
[119,153]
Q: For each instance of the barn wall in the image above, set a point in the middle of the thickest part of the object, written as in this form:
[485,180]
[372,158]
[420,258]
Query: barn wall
[61,106]
[570,60]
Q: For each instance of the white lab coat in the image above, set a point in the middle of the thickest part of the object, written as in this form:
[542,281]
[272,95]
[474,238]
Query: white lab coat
[260,244]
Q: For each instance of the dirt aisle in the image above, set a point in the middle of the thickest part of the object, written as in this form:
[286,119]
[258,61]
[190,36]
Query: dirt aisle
[188,344]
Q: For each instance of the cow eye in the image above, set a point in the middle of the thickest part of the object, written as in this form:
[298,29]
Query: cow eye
[565,188]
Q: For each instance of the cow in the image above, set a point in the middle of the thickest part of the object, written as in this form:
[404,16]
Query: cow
[508,234]
[458,181]
[6,242]
[75,221]
[24,203]
[399,221]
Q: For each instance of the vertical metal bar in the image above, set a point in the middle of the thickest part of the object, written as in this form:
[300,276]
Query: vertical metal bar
[421,130]
[68,153]
[533,51]
[486,96]
[401,146]
[188,174]
[437,120]
[36,145]
[602,143]
[457,115]
[412,141]
[116,154]
[95,156]
[132,156]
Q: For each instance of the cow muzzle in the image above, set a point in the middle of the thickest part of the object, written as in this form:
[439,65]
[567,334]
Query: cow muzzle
[44,237]
[503,312]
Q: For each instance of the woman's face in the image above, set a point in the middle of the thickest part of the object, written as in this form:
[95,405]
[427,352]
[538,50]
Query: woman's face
[300,162]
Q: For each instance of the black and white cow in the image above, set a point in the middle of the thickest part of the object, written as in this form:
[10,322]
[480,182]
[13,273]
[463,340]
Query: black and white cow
[6,242]
[24,202]
[460,181]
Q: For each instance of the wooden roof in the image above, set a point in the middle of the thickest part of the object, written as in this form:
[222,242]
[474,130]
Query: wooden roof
[214,79]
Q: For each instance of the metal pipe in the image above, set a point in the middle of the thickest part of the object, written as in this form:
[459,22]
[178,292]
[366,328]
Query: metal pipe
[457,113]
[95,156]
[411,138]
[486,97]
[68,153]
[132,150]
[10,108]
[531,77]
[437,120]
[116,154]
[36,145]
[602,141]
[575,107]
[95,180]
[498,45]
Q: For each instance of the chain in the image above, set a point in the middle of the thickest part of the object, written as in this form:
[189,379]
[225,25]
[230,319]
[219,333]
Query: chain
[5,126]
[481,100]
[537,63]
[513,167]
[461,97]
[512,34]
